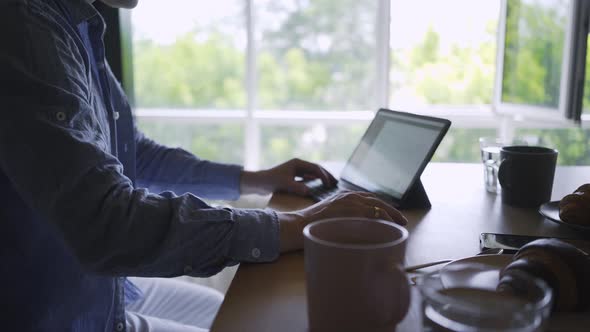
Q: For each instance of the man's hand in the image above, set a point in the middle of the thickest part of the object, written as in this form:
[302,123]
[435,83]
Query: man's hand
[282,178]
[348,204]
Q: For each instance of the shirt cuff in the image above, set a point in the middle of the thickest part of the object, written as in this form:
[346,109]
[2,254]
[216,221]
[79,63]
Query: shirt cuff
[256,236]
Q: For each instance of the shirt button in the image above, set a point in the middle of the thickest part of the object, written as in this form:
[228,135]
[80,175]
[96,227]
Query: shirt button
[256,253]
[120,326]
[188,269]
[116,115]
[60,116]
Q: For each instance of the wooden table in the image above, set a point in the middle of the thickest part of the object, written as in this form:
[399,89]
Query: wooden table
[271,297]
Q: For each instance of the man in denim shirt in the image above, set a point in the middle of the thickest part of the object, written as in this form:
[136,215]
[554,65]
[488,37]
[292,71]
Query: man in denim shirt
[87,200]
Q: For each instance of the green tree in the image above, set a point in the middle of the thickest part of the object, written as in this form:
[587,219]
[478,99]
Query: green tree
[189,73]
[535,34]
[320,54]
[463,76]
[572,143]
[427,51]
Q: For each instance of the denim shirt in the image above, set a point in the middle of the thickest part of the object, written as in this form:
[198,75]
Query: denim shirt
[78,183]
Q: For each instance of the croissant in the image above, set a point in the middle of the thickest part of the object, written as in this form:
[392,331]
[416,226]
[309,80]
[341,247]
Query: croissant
[564,267]
[575,208]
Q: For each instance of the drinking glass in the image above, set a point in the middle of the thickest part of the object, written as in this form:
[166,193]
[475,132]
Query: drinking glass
[490,157]
[483,310]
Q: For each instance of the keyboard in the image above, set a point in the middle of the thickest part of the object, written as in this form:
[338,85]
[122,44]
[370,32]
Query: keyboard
[318,192]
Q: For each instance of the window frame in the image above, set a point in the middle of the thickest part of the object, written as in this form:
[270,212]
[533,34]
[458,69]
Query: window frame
[505,118]
[572,70]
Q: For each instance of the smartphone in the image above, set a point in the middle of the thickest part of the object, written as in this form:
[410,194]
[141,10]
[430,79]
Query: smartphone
[511,243]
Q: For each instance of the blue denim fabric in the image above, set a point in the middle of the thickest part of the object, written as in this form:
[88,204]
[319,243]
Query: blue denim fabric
[77,207]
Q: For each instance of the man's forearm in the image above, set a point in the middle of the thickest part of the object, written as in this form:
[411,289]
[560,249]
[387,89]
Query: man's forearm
[255,183]
[291,231]
[161,168]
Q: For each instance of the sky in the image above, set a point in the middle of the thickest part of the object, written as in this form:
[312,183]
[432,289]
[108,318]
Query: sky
[460,22]
[176,17]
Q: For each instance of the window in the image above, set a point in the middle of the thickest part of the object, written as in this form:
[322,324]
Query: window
[315,142]
[572,143]
[204,139]
[447,56]
[533,55]
[315,55]
[189,57]
[586,104]
[259,81]
[543,59]
[462,145]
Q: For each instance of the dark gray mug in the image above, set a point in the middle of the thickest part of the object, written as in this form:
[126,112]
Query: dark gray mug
[526,175]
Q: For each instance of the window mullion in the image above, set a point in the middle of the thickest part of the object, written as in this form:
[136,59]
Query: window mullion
[500,48]
[383,53]
[564,94]
[252,129]
[574,63]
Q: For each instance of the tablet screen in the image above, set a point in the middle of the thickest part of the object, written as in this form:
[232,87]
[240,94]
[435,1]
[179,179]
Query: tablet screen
[393,152]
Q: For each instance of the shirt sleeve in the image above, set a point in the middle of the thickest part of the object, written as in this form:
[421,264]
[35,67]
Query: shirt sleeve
[162,168]
[52,150]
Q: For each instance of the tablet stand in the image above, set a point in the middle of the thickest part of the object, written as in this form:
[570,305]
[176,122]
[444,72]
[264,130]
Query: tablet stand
[417,198]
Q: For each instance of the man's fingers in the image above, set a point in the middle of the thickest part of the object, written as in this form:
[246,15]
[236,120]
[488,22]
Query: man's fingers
[305,167]
[373,212]
[390,210]
[315,170]
[331,177]
[298,188]
[378,206]
[376,212]
[307,177]
[363,194]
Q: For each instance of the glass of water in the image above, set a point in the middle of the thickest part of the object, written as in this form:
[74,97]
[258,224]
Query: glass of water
[483,310]
[490,158]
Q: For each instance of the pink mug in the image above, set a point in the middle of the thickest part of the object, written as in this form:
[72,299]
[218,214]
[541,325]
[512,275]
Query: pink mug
[354,276]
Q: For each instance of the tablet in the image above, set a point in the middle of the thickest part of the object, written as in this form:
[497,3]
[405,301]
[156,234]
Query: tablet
[393,153]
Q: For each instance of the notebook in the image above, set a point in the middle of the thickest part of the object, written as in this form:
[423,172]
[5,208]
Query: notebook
[390,158]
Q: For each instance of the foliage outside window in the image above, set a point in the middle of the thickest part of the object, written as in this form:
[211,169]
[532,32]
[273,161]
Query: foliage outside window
[214,142]
[572,143]
[316,55]
[535,34]
[443,52]
[321,55]
[194,57]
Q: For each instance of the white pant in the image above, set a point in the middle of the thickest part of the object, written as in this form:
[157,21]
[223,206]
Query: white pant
[170,305]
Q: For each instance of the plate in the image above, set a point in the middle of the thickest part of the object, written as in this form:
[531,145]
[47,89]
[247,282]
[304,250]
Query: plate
[550,210]
[482,271]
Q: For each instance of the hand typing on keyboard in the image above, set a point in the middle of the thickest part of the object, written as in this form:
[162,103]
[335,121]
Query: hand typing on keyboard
[341,204]
[316,182]
[318,191]
[283,178]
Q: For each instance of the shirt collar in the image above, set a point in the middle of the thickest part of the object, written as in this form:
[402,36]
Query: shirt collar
[80,10]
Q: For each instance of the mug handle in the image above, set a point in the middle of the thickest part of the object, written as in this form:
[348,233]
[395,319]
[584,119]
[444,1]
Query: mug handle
[402,291]
[396,305]
[503,174]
